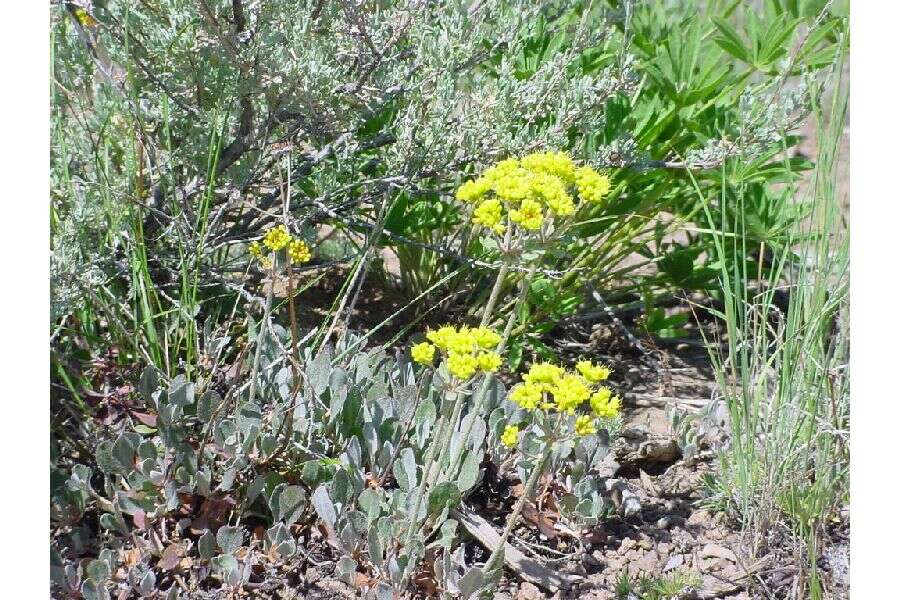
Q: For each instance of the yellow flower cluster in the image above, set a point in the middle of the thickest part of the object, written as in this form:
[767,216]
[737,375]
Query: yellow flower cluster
[277,239]
[591,372]
[550,387]
[530,190]
[592,186]
[468,350]
[584,425]
[423,353]
[604,404]
[299,252]
[510,436]
[489,214]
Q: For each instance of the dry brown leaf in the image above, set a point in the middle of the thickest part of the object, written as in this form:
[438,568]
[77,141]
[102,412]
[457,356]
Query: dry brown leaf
[171,556]
[539,519]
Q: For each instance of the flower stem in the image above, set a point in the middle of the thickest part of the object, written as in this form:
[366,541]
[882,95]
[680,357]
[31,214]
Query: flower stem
[489,377]
[513,518]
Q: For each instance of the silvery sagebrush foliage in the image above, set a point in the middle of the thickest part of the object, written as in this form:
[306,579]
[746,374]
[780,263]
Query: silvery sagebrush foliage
[187,100]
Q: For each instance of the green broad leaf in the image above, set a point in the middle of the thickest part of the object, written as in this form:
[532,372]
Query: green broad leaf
[468,473]
[206,545]
[444,495]
[324,506]
[229,538]
[405,470]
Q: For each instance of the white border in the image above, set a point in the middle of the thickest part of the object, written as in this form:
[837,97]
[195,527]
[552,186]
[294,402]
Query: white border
[873,297]
[24,154]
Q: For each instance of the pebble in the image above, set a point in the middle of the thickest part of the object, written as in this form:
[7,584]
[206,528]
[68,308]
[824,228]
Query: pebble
[627,544]
[529,591]
[648,563]
[698,517]
[717,551]
[674,562]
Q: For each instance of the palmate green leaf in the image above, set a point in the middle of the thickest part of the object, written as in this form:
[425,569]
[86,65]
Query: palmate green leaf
[729,40]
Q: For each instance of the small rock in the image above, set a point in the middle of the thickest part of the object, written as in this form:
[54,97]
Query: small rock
[529,591]
[663,548]
[645,544]
[594,559]
[627,544]
[699,517]
[648,563]
[674,562]
[710,565]
[633,556]
[717,551]
[669,521]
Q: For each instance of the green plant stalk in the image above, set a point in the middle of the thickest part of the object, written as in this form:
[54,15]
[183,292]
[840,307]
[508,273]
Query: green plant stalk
[458,403]
[513,518]
[455,460]
[420,493]
[257,355]
[445,434]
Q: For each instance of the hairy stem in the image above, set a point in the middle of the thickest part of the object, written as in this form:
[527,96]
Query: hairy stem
[455,460]
[513,518]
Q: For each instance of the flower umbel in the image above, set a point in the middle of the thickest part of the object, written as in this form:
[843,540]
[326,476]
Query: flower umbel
[510,436]
[277,238]
[584,425]
[299,252]
[462,365]
[423,353]
[591,372]
[537,188]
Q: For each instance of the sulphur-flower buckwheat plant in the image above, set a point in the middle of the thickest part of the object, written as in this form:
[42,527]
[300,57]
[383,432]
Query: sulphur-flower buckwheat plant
[548,404]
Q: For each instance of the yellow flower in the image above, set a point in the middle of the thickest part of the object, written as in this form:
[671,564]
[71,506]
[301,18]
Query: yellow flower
[486,337]
[461,341]
[255,249]
[513,187]
[543,373]
[604,404]
[462,366]
[502,169]
[277,238]
[526,395]
[552,191]
[528,215]
[592,186]
[554,163]
[423,353]
[591,372]
[510,436]
[569,392]
[474,190]
[584,425]
[299,252]
[441,337]
[489,362]
[489,214]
